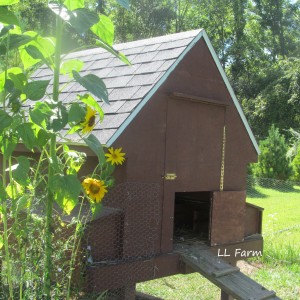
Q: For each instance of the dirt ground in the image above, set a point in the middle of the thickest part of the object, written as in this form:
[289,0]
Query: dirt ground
[248,267]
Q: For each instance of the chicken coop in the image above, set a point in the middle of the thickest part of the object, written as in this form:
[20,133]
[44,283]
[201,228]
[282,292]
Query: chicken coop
[183,186]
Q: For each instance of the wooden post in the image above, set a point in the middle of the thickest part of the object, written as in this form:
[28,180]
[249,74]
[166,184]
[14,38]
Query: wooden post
[225,296]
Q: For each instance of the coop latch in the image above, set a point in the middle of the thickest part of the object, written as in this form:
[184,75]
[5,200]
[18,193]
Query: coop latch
[170,176]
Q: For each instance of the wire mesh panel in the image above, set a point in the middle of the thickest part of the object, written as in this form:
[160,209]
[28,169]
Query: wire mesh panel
[123,239]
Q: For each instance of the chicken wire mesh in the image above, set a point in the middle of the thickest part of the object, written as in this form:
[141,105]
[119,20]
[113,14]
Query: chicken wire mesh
[112,251]
[123,239]
[254,183]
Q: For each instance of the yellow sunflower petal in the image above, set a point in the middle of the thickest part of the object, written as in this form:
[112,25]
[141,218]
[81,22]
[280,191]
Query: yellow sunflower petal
[89,121]
[95,189]
[115,156]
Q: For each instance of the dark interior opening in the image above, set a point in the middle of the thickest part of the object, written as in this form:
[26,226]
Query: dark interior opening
[192,217]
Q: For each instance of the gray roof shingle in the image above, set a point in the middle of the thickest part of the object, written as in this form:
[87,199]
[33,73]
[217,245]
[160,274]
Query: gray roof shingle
[127,85]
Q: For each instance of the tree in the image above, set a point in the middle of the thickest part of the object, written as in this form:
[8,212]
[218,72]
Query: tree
[278,100]
[144,19]
[296,167]
[272,161]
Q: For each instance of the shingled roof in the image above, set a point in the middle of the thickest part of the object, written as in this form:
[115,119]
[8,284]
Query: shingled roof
[130,87]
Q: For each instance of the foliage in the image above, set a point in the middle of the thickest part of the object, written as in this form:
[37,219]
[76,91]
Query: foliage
[38,249]
[278,100]
[296,167]
[272,161]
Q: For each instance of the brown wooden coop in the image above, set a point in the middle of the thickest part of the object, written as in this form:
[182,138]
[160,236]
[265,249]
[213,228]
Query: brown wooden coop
[187,146]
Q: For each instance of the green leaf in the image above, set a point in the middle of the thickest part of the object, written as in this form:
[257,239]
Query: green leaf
[104,29]
[21,204]
[8,17]
[72,5]
[90,101]
[17,121]
[124,3]
[74,160]
[42,138]
[14,189]
[74,129]
[10,71]
[110,49]
[46,45]
[70,65]
[20,174]
[9,85]
[36,54]
[8,2]
[5,120]
[60,122]
[41,114]
[95,146]
[8,145]
[15,41]
[76,113]
[35,90]
[1,241]
[82,19]
[5,29]
[66,189]
[93,84]
[107,170]
[27,135]
[19,80]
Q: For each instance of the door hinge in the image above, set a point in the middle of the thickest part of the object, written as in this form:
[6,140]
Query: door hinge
[170,176]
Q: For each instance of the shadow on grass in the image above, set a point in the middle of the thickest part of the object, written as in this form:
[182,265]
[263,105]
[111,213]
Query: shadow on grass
[282,187]
[252,192]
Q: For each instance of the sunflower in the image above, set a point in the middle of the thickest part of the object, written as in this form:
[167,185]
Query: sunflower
[95,189]
[115,156]
[89,120]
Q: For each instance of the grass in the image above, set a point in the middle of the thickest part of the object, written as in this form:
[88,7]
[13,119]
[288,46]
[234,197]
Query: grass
[278,269]
[181,287]
[281,231]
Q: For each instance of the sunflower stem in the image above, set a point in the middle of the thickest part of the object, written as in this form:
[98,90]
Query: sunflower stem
[50,195]
[49,230]
[4,199]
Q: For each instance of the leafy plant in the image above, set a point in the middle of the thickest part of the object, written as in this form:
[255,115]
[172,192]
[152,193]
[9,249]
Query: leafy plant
[272,161]
[296,167]
[32,190]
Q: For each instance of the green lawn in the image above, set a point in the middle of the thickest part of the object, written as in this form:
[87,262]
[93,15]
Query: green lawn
[281,217]
[281,230]
[278,269]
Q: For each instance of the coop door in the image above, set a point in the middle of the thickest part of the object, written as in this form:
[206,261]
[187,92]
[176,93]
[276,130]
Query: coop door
[228,212]
[193,155]
[194,145]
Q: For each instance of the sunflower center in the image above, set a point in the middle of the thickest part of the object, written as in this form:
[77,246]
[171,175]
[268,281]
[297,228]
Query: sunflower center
[91,121]
[94,188]
[114,156]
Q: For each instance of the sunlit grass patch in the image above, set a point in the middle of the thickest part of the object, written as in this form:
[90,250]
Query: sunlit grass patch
[284,279]
[181,287]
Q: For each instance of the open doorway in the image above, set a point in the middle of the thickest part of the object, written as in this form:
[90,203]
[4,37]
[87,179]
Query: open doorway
[192,217]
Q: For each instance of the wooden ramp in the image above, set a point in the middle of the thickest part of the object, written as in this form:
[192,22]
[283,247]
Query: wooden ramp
[222,274]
